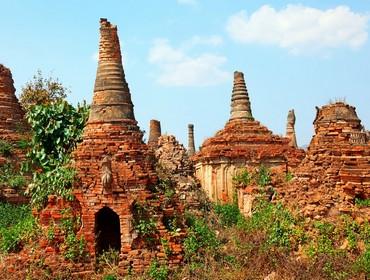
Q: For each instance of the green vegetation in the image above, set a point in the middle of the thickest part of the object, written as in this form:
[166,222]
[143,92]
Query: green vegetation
[9,177]
[17,227]
[42,91]
[157,271]
[362,202]
[6,149]
[73,247]
[57,128]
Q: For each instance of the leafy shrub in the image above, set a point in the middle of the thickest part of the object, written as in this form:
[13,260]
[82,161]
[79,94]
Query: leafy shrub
[229,214]
[362,202]
[200,238]
[145,227]
[242,178]
[41,91]
[54,182]
[73,246]
[17,226]
[157,271]
[57,128]
[274,220]
[6,148]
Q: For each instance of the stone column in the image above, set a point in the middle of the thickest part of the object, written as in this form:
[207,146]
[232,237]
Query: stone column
[191,145]
[290,130]
[154,133]
[240,104]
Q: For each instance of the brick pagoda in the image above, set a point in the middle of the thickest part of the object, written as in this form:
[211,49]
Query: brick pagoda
[11,113]
[336,169]
[242,142]
[113,167]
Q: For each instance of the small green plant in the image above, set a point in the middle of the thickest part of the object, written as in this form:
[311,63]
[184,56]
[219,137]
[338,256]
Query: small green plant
[157,271]
[17,226]
[166,247]
[289,176]
[229,214]
[109,258]
[242,178]
[145,227]
[6,149]
[201,238]
[73,246]
[362,202]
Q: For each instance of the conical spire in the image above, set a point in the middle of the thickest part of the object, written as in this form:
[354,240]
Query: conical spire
[240,104]
[112,98]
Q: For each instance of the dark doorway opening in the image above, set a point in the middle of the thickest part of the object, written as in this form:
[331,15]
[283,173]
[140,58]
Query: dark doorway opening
[107,231]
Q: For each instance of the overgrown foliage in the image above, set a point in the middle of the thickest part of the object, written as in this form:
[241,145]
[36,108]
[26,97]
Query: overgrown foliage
[17,227]
[42,91]
[56,130]
[6,148]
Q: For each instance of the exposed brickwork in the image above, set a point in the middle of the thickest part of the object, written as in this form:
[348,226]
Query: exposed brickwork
[154,133]
[11,113]
[12,128]
[114,167]
[242,142]
[336,169]
[174,165]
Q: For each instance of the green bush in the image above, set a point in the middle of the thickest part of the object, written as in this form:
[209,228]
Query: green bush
[58,182]
[158,272]
[17,226]
[272,219]
[6,148]
[200,239]
[229,214]
[362,202]
[145,227]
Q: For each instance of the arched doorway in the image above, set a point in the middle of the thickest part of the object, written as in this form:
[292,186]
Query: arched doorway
[107,231]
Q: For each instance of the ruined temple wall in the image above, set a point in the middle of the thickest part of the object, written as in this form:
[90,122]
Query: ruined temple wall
[216,177]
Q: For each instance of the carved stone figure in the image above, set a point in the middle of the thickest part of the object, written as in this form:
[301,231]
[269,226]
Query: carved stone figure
[106,172]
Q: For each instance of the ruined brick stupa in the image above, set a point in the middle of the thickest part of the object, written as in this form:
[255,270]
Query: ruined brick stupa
[11,113]
[113,169]
[242,142]
[336,169]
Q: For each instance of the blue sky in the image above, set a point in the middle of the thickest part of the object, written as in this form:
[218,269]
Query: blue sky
[179,56]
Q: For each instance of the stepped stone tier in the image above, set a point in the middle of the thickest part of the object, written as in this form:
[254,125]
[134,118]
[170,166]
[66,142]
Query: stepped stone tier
[290,129]
[191,145]
[154,133]
[336,169]
[242,142]
[115,173]
[11,113]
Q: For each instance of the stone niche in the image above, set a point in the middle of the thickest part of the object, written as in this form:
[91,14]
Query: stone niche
[243,142]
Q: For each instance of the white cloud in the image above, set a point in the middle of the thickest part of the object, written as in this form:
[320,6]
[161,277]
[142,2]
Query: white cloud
[179,69]
[300,29]
[188,2]
[213,40]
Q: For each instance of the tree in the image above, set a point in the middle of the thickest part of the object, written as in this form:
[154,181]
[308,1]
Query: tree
[56,129]
[42,90]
